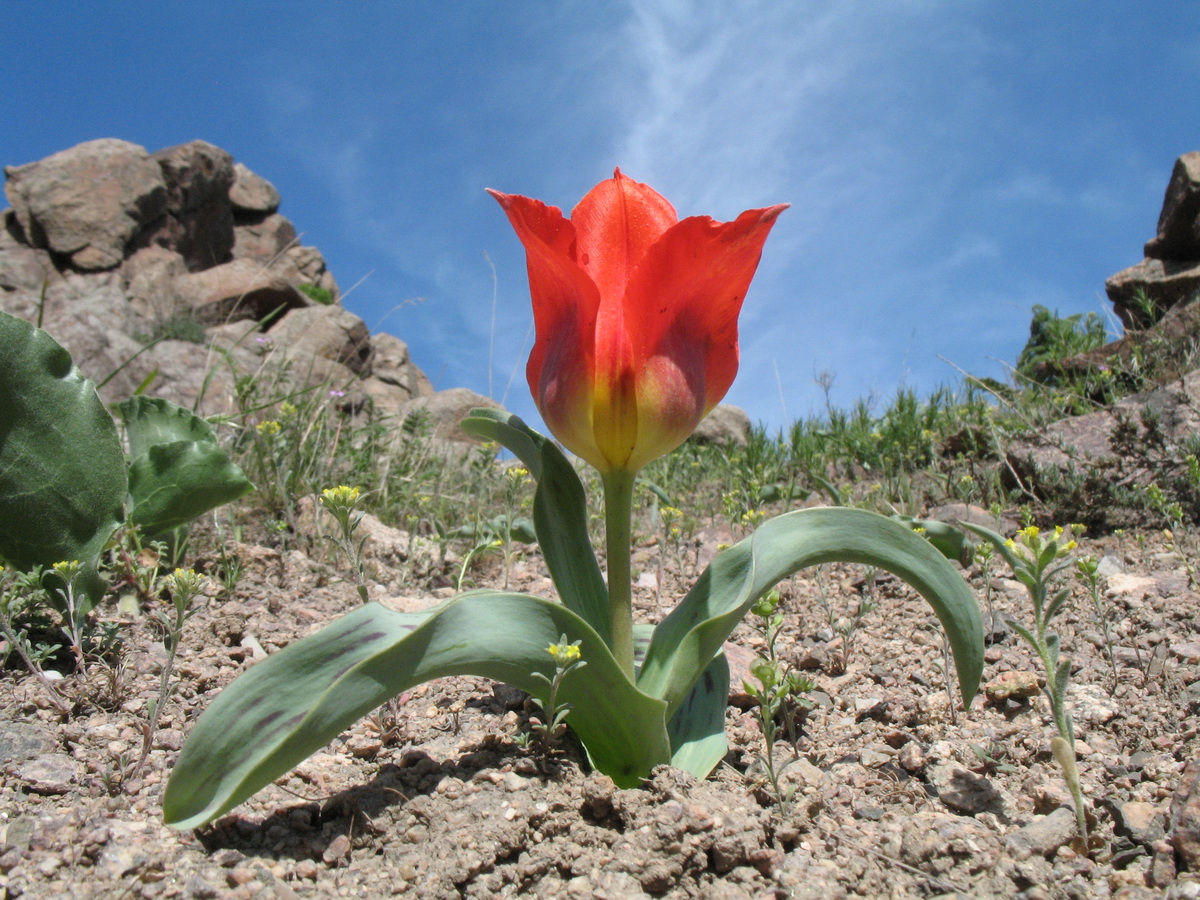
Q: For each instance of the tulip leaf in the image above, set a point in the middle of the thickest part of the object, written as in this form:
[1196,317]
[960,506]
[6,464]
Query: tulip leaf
[62,472]
[559,513]
[697,726]
[296,701]
[693,632]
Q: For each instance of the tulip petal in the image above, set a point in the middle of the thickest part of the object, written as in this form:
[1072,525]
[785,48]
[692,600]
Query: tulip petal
[565,304]
[615,224]
[681,309]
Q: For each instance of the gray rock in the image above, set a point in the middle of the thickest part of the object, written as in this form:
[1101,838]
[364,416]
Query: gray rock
[199,220]
[1139,821]
[88,202]
[1178,234]
[391,363]
[1044,835]
[252,193]
[264,239]
[240,289]
[963,791]
[329,332]
[726,425]
[47,773]
[1168,282]
[21,266]
[446,410]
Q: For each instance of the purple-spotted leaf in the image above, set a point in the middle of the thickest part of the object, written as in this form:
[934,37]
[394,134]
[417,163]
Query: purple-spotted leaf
[293,703]
[693,632]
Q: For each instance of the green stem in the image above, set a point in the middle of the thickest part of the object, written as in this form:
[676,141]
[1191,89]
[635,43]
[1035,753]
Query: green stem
[618,516]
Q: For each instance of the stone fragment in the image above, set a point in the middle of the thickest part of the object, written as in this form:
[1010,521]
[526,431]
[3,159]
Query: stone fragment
[1012,686]
[1167,282]
[88,202]
[1044,835]
[251,193]
[21,266]
[47,773]
[199,220]
[962,790]
[1141,822]
[1185,818]
[392,364]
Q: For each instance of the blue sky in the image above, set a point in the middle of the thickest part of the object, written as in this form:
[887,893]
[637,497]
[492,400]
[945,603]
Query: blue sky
[949,163]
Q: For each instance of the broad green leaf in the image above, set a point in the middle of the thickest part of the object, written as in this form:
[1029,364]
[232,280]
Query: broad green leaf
[172,484]
[62,472]
[153,420]
[177,470]
[697,727]
[689,637]
[559,513]
[293,703]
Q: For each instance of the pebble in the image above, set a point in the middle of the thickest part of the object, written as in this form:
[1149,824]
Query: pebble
[1044,835]
[1012,686]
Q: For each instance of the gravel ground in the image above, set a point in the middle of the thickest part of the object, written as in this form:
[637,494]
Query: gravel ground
[896,793]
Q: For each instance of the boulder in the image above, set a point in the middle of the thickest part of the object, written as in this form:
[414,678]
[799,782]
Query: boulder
[88,202]
[1178,235]
[198,223]
[21,267]
[727,425]
[1167,283]
[263,240]
[330,332]
[240,289]
[392,365]
[252,193]
[446,410]
[177,267]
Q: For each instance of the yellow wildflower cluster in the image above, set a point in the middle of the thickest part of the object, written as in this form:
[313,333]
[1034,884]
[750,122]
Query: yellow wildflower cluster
[564,654]
[269,428]
[1029,540]
[754,516]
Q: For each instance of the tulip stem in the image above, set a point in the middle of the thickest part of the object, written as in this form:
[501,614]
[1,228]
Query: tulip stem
[618,523]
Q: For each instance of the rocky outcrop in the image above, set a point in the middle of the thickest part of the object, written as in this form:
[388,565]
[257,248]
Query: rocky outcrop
[1170,274]
[177,267]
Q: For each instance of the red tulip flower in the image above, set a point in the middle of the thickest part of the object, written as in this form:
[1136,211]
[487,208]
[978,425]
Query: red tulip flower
[636,316]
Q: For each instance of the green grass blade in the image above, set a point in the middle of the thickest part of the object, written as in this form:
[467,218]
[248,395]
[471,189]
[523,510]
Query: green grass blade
[690,636]
[559,513]
[293,703]
[62,472]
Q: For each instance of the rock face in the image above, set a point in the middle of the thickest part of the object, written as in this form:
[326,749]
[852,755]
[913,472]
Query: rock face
[177,265]
[1170,274]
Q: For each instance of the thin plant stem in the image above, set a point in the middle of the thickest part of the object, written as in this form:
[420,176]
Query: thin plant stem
[618,513]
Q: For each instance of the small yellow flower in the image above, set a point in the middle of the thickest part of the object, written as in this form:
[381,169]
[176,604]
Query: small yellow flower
[342,495]
[268,428]
[287,410]
[564,654]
